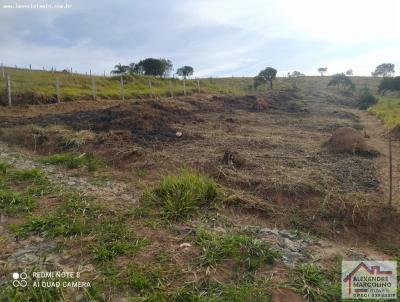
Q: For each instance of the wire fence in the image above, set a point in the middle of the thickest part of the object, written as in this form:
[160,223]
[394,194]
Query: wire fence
[26,86]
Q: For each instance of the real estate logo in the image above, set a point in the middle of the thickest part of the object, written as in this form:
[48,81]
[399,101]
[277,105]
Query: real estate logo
[369,280]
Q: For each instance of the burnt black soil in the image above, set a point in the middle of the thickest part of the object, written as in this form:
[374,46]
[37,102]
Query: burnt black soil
[147,121]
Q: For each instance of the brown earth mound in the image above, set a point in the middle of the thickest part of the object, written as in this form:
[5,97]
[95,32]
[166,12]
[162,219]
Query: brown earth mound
[347,140]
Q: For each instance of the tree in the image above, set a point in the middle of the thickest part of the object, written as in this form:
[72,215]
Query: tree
[322,70]
[385,70]
[265,76]
[296,74]
[366,99]
[120,69]
[340,80]
[295,78]
[185,71]
[389,84]
[151,66]
[349,72]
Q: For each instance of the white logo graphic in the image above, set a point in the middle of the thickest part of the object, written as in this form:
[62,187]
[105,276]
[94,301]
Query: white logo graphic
[369,280]
[19,279]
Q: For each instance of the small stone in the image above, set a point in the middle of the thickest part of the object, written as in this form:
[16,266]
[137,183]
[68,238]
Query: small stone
[184,230]
[268,231]
[220,230]
[185,245]
[288,234]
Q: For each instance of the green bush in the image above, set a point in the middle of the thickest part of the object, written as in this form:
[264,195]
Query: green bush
[366,99]
[180,196]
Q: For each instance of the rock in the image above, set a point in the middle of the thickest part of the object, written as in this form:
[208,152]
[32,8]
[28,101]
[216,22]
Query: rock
[288,234]
[185,245]
[184,230]
[268,231]
[220,230]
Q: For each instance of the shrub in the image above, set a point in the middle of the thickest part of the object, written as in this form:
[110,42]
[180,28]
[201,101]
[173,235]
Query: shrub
[389,84]
[180,196]
[366,99]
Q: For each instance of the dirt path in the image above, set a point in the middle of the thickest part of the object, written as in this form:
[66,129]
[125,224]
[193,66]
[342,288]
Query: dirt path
[378,139]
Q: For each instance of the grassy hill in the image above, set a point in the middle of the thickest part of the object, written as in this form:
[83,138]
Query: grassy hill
[36,86]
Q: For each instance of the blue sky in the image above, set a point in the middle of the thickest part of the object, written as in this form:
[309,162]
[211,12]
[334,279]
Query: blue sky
[216,37]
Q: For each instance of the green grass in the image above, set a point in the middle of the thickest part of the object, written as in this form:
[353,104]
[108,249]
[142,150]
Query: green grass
[20,200]
[313,284]
[115,238]
[388,109]
[72,218]
[14,202]
[247,252]
[178,197]
[77,86]
[34,176]
[73,161]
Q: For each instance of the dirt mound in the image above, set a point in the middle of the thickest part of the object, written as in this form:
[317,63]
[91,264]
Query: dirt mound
[146,120]
[347,140]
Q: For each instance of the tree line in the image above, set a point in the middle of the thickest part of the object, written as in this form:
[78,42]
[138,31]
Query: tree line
[152,67]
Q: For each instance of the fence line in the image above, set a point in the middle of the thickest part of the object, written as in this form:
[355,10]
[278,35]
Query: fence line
[9,89]
[20,81]
[94,88]
[122,88]
[58,90]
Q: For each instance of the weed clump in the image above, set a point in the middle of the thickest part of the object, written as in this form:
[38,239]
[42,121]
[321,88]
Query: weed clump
[250,252]
[313,284]
[33,175]
[72,161]
[181,196]
[12,202]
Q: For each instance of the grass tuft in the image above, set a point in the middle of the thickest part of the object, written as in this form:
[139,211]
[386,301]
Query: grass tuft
[181,196]
[249,252]
[313,284]
[32,175]
[73,161]
[12,202]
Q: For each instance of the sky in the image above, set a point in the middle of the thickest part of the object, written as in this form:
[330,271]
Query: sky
[217,37]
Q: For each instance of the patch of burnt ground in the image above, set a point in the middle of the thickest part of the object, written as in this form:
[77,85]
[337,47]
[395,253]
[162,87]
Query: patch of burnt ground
[146,121]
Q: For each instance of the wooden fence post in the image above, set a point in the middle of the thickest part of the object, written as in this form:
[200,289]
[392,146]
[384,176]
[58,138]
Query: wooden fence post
[2,69]
[58,90]
[9,89]
[94,88]
[122,88]
[184,87]
[198,85]
[171,92]
[390,170]
[150,91]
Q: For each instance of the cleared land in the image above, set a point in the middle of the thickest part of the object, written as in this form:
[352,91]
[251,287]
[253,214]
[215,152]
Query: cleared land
[247,204]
